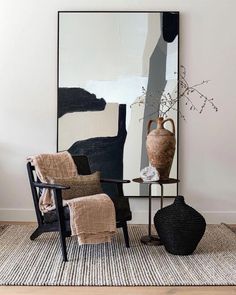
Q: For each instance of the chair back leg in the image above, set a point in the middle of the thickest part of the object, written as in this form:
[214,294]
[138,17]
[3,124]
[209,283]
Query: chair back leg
[36,233]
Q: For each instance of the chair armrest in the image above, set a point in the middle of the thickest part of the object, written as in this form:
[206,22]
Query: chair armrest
[50,185]
[117,181]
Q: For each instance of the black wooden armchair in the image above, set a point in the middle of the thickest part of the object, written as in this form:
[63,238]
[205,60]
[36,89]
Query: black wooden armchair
[59,219]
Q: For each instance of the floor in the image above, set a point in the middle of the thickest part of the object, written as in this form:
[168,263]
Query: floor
[118,290]
[6,290]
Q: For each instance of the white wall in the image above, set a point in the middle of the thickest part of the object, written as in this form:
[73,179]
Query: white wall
[28,98]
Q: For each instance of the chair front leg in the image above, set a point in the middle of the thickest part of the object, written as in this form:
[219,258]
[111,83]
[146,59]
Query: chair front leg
[61,221]
[63,245]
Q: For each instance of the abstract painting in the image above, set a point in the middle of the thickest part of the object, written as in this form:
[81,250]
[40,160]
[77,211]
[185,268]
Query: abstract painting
[113,70]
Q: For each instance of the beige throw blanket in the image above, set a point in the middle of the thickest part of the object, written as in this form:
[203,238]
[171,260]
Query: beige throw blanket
[92,218]
[48,166]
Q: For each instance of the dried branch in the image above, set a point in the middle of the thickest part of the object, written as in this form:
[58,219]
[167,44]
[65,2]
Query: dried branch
[168,102]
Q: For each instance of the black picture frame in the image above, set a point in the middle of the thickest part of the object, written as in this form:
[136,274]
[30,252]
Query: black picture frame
[178,63]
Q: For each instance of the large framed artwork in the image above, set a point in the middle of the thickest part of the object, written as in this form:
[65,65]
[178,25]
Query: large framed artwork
[114,68]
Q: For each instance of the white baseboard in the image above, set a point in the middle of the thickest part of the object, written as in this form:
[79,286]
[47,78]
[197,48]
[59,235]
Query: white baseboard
[139,217]
[7,214]
[212,217]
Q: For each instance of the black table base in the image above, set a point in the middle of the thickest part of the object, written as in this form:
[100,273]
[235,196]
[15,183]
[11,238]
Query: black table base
[151,240]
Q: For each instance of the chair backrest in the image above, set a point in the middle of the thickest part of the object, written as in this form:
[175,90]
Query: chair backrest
[35,192]
[82,164]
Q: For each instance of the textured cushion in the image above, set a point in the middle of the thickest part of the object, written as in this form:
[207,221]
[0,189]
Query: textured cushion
[80,186]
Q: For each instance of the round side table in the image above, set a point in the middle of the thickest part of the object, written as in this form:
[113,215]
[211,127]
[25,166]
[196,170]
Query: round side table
[153,239]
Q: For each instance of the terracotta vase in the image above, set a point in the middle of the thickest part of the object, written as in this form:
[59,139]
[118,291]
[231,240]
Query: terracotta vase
[160,145]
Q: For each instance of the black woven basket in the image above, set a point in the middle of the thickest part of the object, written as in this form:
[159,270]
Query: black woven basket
[180,227]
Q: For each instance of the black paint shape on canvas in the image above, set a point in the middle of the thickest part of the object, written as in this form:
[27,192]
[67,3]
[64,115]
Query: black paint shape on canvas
[78,100]
[170,26]
[105,154]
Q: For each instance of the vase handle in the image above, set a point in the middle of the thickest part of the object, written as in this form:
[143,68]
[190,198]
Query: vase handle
[149,125]
[172,123]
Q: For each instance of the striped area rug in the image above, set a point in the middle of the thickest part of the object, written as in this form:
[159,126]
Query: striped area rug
[39,262]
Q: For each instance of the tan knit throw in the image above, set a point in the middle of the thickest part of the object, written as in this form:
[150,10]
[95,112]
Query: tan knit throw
[47,166]
[92,219]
